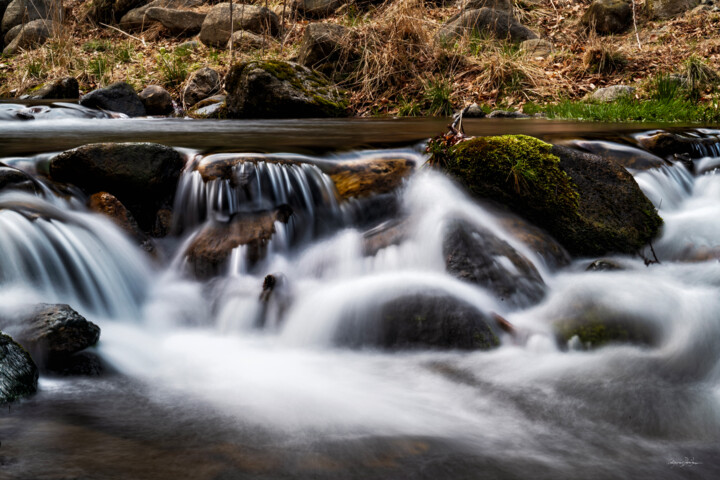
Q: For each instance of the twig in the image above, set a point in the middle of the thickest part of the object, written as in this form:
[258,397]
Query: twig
[125,33]
[232,30]
[637,35]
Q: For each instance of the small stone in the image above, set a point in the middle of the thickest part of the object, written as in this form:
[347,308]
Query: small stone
[202,84]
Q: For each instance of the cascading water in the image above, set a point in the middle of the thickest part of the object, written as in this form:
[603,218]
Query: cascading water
[272,374]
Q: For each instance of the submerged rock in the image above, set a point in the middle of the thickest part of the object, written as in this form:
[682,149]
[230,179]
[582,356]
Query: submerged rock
[477,256]
[276,89]
[624,155]
[604,265]
[592,206]
[423,321]
[119,97]
[18,373]
[142,176]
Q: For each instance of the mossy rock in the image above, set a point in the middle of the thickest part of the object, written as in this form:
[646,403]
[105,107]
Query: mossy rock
[592,206]
[597,326]
[277,89]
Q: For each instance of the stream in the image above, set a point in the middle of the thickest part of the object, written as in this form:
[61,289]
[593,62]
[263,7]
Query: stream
[195,390]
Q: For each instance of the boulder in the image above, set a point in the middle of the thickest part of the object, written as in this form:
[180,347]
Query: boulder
[590,205]
[156,100]
[110,11]
[317,8]
[215,30]
[14,179]
[108,205]
[611,94]
[202,84]
[665,9]
[485,21]
[276,89]
[119,97]
[475,255]
[322,48]
[12,33]
[210,249]
[604,265]
[25,11]
[31,35]
[627,156]
[178,22]
[243,41]
[137,19]
[422,321]
[608,17]
[143,176]
[18,372]
[61,89]
[668,145]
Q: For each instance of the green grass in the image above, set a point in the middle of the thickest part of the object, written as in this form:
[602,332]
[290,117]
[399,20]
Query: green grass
[99,67]
[174,68]
[437,93]
[36,68]
[97,46]
[407,107]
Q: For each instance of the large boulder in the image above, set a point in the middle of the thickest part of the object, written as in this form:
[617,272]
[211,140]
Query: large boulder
[18,372]
[322,48]
[66,88]
[202,84]
[592,206]
[608,16]
[215,30]
[276,89]
[485,21]
[32,35]
[142,176]
[317,8]
[178,22]
[210,249]
[156,100]
[25,11]
[119,97]
[665,9]
[430,320]
[477,256]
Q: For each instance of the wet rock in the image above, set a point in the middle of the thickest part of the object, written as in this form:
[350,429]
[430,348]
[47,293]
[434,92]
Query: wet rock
[216,26]
[142,176]
[243,40]
[211,247]
[604,265]
[369,177]
[14,179]
[322,48]
[390,232]
[60,89]
[590,205]
[665,9]
[213,107]
[608,16]
[423,321]
[537,47]
[178,22]
[31,36]
[118,97]
[477,256]
[202,84]
[667,145]
[26,11]
[317,8]
[84,364]
[536,239]
[626,156]
[611,94]
[108,205]
[276,89]
[156,100]
[507,114]
[485,21]
[18,373]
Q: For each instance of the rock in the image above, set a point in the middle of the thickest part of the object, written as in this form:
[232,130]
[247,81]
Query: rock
[665,9]
[368,177]
[108,205]
[3,6]
[118,97]
[25,11]
[611,94]
[216,27]
[499,5]
[473,111]
[423,321]
[61,89]
[667,145]
[477,256]
[202,84]
[210,249]
[608,17]
[18,373]
[604,265]
[624,155]
[14,179]
[485,21]
[136,18]
[317,8]
[243,40]
[52,331]
[213,107]
[143,176]
[31,36]
[537,47]
[590,205]
[276,89]
[390,232]
[190,46]
[86,364]
[12,33]
[536,239]
[506,114]
[322,48]
[178,22]
[156,100]
[110,11]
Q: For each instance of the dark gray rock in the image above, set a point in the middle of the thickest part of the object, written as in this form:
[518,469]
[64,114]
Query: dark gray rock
[507,114]
[202,84]
[216,27]
[18,372]
[157,100]
[665,9]
[608,16]
[25,11]
[31,35]
[500,5]
[61,89]
[485,21]
[275,89]
[317,8]
[243,40]
[118,97]
[14,179]
[12,33]
[178,22]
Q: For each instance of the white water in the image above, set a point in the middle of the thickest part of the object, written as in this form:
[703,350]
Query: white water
[528,399]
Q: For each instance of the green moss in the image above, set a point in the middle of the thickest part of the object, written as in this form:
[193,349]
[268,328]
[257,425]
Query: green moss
[597,326]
